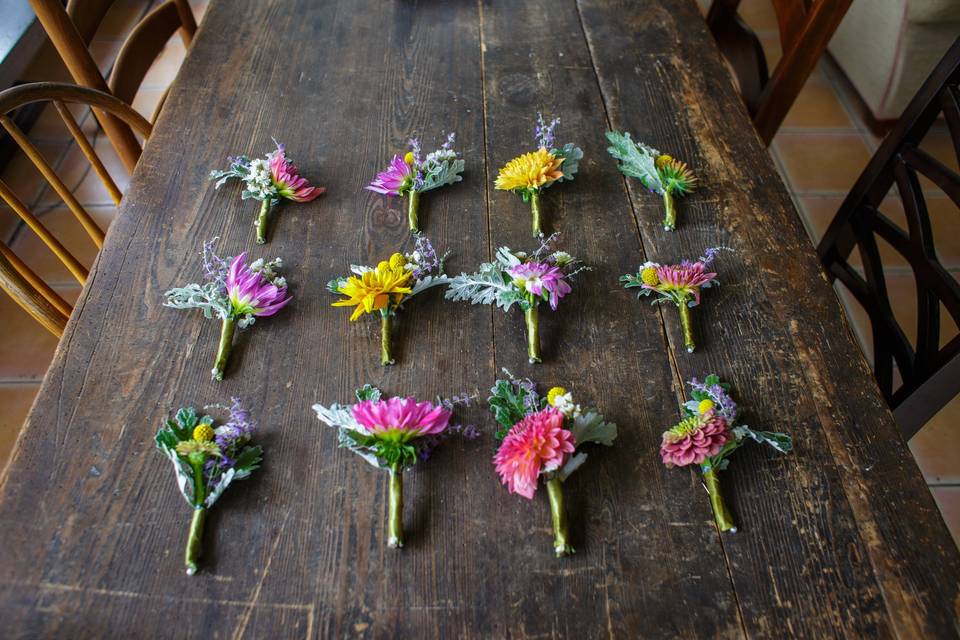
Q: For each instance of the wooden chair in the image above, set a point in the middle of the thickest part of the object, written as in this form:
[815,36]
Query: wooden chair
[806,27]
[16,278]
[71,29]
[930,374]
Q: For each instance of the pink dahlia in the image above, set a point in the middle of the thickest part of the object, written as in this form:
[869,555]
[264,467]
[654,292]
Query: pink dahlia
[397,178]
[536,444]
[401,419]
[694,440]
[537,277]
[287,179]
[250,292]
[686,277]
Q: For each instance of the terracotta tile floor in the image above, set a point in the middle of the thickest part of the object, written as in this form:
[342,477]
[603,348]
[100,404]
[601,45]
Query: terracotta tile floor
[820,151]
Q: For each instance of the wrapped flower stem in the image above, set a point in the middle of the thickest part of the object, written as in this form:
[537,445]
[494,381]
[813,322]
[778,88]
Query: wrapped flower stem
[386,325]
[195,540]
[395,508]
[413,210]
[532,319]
[669,211]
[720,512]
[707,435]
[228,327]
[540,438]
[262,222]
[535,213]
[558,514]
[686,326]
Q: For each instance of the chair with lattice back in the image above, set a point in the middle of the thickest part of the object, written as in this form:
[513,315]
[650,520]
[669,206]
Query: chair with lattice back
[16,278]
[71,28]
[929,373]
[805,27]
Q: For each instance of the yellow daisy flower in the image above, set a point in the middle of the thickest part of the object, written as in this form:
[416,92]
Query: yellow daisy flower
[375,290]
[530,171]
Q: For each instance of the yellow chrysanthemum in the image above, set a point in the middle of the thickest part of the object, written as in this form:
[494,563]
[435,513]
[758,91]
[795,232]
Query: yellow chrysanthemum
[203,433]
[375,290]
[530,171]
[677,175]
[555,393]
[649,277]
[397,261]
[200,447]
[704,406]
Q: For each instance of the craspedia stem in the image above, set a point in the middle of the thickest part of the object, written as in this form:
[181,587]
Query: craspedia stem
[558,513]
[395,508]
[386,325]
[535,212]
[720,512]
[670,211]
[262,221]
[686,326]
[531,318]
[413,210]
[194,540]
[227,329]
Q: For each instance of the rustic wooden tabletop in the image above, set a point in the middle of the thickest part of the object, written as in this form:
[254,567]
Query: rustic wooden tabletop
[841,537]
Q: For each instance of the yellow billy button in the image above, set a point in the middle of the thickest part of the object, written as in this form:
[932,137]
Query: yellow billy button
[704,406]
[203,433]
[397,261]
[663,160]
[555,393]
[649,277]
[408,158]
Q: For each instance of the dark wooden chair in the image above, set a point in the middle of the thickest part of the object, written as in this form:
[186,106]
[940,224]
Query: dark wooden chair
[16,278]
[71,30]
[806,27]
[930,374]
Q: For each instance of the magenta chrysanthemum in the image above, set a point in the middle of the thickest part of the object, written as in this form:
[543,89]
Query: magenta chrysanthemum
[401,419]
[686,277]
[537,277]
[396,179]
[287,179]
[695,439]
[536,444]
[250,292]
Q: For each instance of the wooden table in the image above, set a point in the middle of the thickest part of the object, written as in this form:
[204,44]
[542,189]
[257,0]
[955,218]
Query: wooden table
[841,537]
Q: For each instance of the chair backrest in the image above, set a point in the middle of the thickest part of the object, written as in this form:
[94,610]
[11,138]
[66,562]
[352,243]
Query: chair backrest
[71,29]
[16,278]
[805,26]
[930,374]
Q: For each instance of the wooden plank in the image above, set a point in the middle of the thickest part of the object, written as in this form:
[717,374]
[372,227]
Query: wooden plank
[641,531]
[830,535]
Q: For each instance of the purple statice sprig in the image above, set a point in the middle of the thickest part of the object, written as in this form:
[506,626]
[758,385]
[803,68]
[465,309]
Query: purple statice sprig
[713,389]
[545,134]
[426,445]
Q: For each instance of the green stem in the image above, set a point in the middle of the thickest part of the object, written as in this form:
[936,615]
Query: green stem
[385,327]
[413,207]
[670,215]
[686,325]
[561,537]
[262,222]
[720,511]
[395,515]
[227,329]
[532,319]
[194,539]
[535,211]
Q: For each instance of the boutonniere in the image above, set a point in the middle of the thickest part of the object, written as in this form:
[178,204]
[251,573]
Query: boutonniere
[413,174]
[206,459]
[539,439]
[529,174]
[656,171]
[707,436]
[236,292]
[386,287]
[676,283]
[393,434]
[515,277]
[269,180]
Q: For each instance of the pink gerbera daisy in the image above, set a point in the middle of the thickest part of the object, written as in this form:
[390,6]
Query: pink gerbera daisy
[536,444]
[287,179]
[401,419]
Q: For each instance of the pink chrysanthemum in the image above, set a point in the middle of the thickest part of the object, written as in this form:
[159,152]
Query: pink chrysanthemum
[536,444]
[287,179]
[686,277]
[695,439]
[536,277]
[397,178]
[251,293]
[401,419]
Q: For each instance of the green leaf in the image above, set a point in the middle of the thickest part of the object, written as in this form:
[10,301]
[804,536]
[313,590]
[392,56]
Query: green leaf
[442,173]
[368,392]
[779,441]
[507,402]
[334,285]
[187,418]
[483,287]
[711,380]
[590,427]
[248,461]
[572,465]
[637,160]
[572,155]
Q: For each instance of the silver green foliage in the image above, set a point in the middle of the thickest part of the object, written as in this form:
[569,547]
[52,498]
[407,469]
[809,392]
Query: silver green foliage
[637,160]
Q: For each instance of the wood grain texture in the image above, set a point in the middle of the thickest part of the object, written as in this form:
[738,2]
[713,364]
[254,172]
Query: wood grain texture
[90,519]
